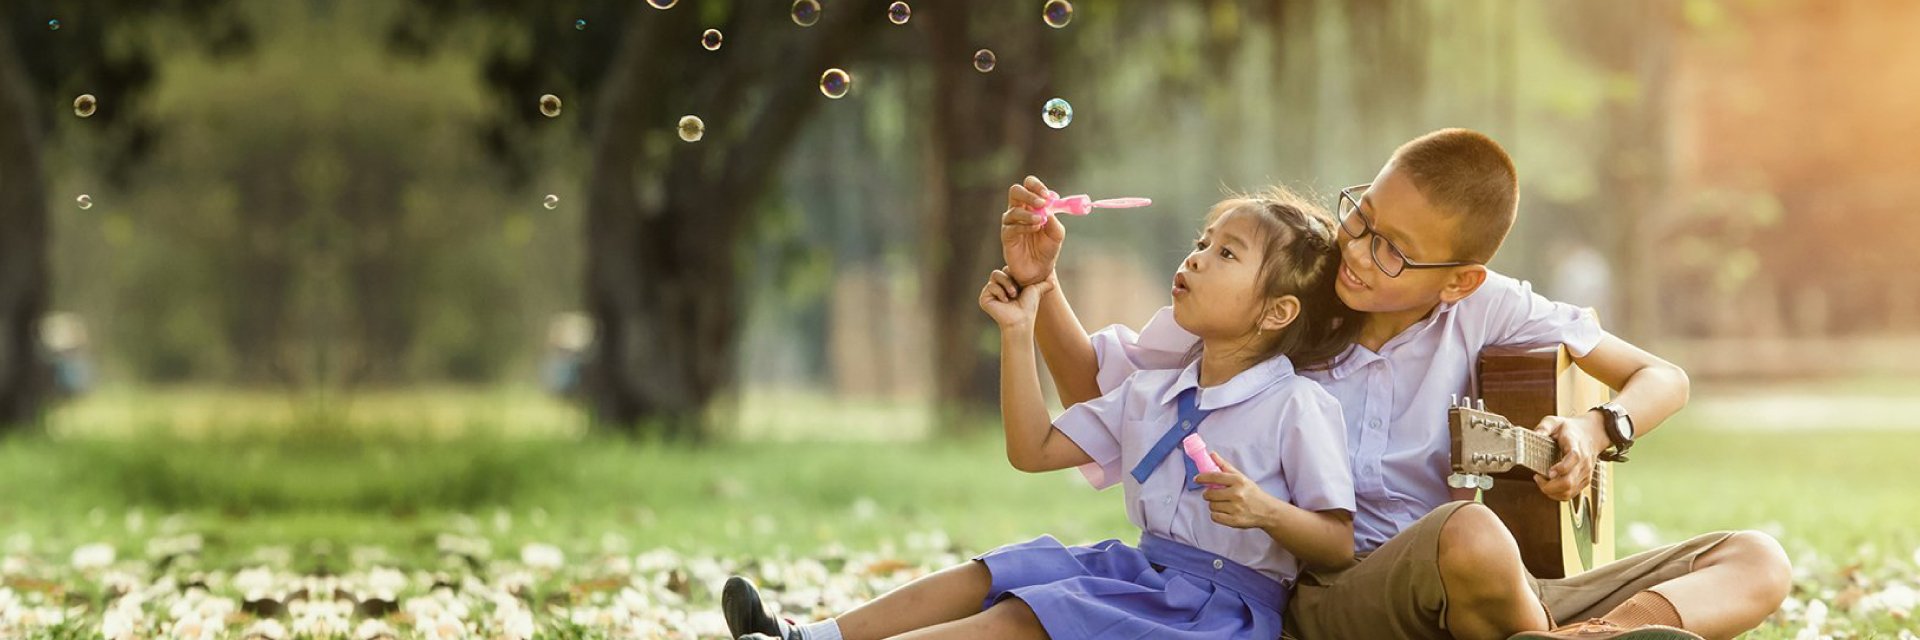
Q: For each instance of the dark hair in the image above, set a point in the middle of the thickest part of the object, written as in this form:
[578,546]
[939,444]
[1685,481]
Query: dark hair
[1301,259]
[1465,174]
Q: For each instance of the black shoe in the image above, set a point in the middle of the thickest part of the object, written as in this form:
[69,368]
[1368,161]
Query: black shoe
[746,616]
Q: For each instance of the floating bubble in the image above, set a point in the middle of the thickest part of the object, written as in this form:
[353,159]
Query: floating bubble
[53,25]
[711,39]
[662,4]
[551,202]
[835,83]
[983,60]
[806,12]
[84,105]
[550,105]
[692,129]
[1057,113]
[899,12]
[1057,13]
[580,25]
[84,201]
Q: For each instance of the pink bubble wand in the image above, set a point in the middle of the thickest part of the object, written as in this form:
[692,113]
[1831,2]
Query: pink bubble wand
[1197,450]
[1081,205]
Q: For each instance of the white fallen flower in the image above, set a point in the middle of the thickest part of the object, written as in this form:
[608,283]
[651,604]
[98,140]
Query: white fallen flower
[93,557]
[542,557]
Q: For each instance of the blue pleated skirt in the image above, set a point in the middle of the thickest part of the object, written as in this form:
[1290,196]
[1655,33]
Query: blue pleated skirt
[1161,589]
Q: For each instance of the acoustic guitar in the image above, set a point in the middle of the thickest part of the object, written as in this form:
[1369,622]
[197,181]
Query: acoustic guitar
[1496,451]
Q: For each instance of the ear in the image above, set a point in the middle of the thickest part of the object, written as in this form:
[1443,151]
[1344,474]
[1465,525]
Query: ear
[1280,312]
[1464,281]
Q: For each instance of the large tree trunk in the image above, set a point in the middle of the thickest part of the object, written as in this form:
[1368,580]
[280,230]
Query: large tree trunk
[987,134]
[666,218]
[24,376]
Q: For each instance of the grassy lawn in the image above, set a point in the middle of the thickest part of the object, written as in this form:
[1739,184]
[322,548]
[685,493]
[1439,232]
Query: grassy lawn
[417,482]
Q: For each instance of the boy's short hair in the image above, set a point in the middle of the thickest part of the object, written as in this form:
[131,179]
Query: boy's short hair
[1466,174]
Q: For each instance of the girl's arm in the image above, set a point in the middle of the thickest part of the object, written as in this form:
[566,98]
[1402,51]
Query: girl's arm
[1319,538]
[1033,444]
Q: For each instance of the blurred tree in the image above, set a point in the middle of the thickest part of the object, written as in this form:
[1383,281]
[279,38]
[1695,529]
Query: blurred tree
[665,218]
[51,52]
[986,132]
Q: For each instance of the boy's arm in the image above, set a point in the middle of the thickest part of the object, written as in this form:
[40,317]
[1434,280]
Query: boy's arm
[1649,388]
[1066,348]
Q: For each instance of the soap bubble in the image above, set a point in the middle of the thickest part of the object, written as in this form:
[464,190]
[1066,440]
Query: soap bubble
[835,83]
[691,128]
[983,60]
[551,202]
[1057,13]
[580,25]
[84,201]
[53,25]
[550,105]
[84,105]
[899,12]
[1057,113]
[806,12]
[662,4]
[711,40]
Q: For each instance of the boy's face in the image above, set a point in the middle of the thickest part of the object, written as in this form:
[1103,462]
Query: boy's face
[1402,215]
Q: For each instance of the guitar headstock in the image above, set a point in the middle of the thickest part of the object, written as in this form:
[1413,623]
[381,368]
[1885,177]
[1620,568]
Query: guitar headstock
[1484,443]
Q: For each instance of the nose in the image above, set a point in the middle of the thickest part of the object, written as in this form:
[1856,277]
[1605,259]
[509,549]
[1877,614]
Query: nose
[1193,261]
[1361,246]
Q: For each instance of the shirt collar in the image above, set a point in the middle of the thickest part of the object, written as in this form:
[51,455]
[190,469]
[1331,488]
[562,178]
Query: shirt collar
[1357,357]
[1238,389]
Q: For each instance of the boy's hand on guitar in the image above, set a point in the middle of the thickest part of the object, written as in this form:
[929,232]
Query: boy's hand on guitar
[1030,247]
[1011,306]
[1571,474]
[1236,502]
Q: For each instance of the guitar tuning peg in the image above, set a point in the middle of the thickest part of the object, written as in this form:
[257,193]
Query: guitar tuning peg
[1485,482]
[1453,400]
[1482,404]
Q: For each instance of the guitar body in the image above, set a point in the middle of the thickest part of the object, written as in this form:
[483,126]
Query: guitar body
[1557,539]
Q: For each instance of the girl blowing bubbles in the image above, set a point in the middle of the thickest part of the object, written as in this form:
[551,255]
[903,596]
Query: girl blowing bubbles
[1218,552]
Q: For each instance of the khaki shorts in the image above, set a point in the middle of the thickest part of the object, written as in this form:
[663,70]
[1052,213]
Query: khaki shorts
[1395,591]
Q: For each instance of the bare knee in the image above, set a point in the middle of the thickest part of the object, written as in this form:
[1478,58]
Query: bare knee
[1011,617]
[1761,560]
[1474,542]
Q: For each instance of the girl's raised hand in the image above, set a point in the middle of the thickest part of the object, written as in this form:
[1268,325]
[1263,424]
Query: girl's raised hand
[1008,304]
[1237,502]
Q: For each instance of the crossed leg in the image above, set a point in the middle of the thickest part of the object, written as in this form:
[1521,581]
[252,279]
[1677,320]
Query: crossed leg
[1730,588]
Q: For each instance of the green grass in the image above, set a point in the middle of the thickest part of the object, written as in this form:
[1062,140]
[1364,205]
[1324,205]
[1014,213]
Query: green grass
[381,478]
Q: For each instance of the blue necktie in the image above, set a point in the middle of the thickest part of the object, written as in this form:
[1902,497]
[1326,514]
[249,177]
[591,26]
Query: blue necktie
[1189,418]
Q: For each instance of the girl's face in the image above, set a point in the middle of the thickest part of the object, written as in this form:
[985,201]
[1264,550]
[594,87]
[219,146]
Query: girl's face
[1217,290]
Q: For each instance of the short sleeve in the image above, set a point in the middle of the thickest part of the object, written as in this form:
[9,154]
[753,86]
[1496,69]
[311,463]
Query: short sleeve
[1161,344]
[1518,317]
[1313,451]
[1095,425]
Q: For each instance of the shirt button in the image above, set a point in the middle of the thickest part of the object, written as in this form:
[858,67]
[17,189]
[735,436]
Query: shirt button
[1373,424]
[1217,564]
[1186,425]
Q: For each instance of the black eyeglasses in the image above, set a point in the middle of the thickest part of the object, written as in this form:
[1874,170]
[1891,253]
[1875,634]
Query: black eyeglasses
[1391,261]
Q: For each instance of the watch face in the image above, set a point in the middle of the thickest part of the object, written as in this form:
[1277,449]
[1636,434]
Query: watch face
[1620,425]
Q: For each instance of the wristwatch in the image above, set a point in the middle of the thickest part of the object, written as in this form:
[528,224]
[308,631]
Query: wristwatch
[1619,431]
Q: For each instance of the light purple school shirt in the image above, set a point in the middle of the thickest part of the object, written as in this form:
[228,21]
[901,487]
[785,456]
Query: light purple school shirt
[1395,400]
[1281,430]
